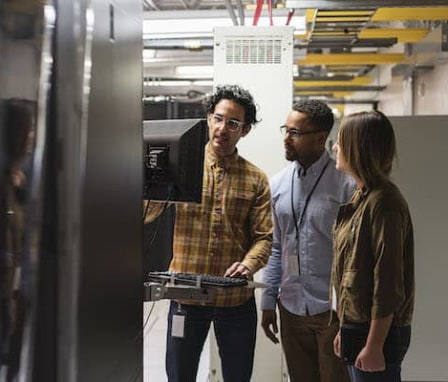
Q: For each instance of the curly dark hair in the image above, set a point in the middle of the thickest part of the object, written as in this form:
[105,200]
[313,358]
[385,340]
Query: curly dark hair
[236,94]
[319,114]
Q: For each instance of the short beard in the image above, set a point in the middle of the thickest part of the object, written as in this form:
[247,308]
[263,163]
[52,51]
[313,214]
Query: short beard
[290,157]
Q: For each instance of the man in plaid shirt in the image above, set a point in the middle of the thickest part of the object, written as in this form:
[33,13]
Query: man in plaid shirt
[229,233]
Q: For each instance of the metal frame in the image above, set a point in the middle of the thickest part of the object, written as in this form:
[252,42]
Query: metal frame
[365,4]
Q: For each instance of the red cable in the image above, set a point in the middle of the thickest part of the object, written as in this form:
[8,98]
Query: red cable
[290,14]
[257,12]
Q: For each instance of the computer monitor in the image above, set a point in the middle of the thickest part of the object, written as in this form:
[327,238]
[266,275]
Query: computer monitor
[174,159]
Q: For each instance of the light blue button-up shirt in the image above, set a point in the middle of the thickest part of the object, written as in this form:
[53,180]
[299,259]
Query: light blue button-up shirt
[310,244]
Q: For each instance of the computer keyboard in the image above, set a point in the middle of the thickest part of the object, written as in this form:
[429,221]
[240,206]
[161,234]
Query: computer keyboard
[198,279]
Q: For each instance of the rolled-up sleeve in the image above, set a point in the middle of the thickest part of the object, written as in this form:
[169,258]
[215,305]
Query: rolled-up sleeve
[261,227]
[272,274]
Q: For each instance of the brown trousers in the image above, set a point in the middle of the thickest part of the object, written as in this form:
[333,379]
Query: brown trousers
[308,346]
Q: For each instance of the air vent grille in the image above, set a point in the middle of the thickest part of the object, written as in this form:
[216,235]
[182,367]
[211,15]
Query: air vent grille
[253,51]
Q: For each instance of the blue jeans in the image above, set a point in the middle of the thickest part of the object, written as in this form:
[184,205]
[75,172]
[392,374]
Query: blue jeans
[393,371]
[235,330]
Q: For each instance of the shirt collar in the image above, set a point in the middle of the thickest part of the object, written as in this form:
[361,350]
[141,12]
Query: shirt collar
[213,161]
[315,168]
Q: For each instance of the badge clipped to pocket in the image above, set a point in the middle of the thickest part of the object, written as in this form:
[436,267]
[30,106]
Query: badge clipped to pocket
[178,323]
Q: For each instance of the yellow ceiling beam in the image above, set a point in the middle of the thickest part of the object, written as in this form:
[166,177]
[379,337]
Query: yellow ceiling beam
[341,94]
[352,59]
[310,14]
[340,19]
[408,13]
[361,80]
[345,13]
[402,35]
[323,92]
[331,33]
[342,68]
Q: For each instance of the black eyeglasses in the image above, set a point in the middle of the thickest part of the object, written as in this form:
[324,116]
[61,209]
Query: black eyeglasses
[231,124]
[296,133]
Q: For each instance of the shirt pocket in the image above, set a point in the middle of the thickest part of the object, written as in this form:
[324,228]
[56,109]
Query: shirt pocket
[239,203]
[322,215]
[354,310]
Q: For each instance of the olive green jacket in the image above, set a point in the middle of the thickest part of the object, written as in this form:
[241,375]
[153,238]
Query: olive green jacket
[373,265]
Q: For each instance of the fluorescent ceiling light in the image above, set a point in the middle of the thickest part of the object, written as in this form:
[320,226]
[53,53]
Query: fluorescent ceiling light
[192,44]
[195,71]
[203,83]
[295,70]
[166,83]
[183,26]
[158,83]
[169,28]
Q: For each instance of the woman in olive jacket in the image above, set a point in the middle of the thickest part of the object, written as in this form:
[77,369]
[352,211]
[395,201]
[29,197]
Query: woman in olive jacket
[373,266]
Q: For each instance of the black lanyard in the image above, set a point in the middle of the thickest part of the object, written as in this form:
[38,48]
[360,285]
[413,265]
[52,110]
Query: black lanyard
[298,223]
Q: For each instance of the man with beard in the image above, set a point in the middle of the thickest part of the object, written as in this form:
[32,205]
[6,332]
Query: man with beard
[306,196]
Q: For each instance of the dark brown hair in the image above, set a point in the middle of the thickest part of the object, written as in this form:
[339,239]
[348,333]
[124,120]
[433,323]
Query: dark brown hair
[367,143]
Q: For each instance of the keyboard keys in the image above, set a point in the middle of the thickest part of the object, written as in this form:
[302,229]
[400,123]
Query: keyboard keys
[193,279]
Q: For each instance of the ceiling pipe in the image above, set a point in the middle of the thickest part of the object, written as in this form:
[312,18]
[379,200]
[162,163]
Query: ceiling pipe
[195,4]
[184,3]
[331,89]
[240,8]
[231,12]
[152,4]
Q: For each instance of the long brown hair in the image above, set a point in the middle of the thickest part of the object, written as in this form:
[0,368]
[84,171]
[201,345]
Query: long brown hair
[367,142]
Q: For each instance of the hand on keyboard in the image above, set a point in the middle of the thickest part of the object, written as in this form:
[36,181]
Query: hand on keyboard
[238,269]
[193,278]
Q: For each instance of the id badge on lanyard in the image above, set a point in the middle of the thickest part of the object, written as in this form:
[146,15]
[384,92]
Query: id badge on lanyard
[293,265]
[178,323]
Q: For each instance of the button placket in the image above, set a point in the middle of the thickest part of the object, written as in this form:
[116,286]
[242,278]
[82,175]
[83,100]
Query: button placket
[218,176]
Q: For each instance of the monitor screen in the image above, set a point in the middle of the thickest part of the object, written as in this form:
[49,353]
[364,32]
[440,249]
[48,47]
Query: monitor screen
[174,159]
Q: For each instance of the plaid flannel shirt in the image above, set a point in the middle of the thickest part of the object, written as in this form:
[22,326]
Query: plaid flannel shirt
[233,223]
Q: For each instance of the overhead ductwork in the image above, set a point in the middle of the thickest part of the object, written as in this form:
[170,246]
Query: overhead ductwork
[426,54]
[433,49]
